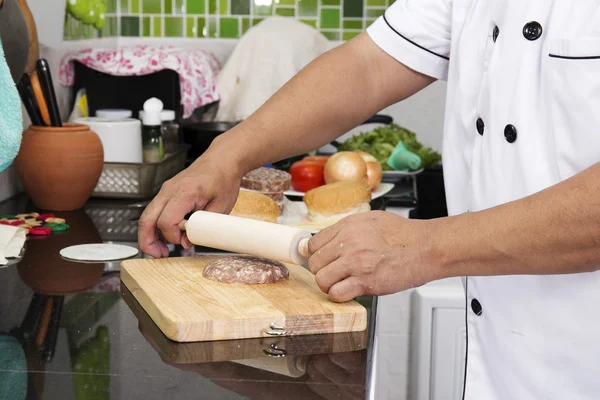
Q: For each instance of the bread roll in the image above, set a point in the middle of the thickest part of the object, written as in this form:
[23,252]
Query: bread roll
[330,203]
[257,206]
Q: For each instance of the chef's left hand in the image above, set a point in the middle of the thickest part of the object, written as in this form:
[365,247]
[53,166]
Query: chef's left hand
[371,253]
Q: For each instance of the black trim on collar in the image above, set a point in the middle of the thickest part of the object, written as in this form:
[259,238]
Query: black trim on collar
[413,43]
[574,58]
[464,393]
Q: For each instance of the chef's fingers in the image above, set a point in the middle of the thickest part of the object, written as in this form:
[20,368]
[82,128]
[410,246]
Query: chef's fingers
[346,290]
[323,237]
[148,237]
[174,212]
[324,256]
[185,241]
[333,273]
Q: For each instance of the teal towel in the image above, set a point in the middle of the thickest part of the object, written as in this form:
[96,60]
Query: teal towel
[13,369]
[11,120]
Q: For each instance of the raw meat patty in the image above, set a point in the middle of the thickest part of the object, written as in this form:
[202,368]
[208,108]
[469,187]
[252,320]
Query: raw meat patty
[245,270]
[267,180]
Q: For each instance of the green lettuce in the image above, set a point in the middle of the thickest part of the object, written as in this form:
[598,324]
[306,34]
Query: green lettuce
[380,142]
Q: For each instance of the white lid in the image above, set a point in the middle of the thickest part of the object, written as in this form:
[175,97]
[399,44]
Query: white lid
[152,109]
[165,115]
[114,113]
[106,121]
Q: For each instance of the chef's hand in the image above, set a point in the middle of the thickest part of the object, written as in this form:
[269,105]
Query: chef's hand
[207,184]
[371,253]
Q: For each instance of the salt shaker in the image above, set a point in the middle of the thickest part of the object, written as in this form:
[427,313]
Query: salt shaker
[170,131]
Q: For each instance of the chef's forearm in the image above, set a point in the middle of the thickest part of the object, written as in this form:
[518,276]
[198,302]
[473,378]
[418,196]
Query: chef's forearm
[333,94]
[555,231]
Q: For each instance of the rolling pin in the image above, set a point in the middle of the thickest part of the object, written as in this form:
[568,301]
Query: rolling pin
[248,236]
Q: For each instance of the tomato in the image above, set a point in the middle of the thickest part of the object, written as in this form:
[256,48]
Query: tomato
[306,175]
[322,160]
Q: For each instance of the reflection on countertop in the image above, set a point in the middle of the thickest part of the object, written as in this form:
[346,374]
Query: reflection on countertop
[72,331]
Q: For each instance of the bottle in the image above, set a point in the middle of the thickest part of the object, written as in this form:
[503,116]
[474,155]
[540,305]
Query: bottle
[152,142]
[170,131]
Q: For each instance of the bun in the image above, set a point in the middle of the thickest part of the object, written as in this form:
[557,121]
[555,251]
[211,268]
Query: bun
[335,201]
[257,206]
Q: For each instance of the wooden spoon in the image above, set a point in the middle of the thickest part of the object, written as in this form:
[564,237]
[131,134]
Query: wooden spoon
[34,49]
[39,97]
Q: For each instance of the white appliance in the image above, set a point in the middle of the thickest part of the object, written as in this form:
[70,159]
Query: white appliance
[121,139]
[438,341]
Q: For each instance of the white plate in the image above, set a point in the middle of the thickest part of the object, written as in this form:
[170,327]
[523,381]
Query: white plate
[294,214]
[382,189]
[98,252]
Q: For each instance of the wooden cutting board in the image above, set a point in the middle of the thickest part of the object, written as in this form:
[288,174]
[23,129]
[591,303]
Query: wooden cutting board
[189,308]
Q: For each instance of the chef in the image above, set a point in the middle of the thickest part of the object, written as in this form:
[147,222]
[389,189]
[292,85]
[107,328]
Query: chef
[521,151]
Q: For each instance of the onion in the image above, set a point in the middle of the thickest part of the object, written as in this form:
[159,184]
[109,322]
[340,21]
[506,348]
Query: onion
[345,166]
[374,170]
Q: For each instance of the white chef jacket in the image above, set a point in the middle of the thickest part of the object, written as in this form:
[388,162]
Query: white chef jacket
[522,114]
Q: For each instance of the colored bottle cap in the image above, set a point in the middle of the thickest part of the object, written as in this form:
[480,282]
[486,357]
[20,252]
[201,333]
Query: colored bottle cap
[40,231]
[44,217]
[57,227]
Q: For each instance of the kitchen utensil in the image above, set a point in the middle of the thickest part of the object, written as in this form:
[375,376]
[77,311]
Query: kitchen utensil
[200,135]
[188,308]
[227,350]
[403,159]
[42,331]
[60,167]
[31,319]
[45,77]
[28,99]
[121,139]
[248,236]
[39,98]
[53,328]
[34,50]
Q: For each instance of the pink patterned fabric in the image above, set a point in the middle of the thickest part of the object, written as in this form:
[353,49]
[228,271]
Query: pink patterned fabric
[197,69]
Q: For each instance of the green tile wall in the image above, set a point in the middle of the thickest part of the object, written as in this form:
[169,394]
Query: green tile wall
[336,19]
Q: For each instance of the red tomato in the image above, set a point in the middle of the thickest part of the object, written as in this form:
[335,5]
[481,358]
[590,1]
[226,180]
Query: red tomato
[322,160]
[306,175]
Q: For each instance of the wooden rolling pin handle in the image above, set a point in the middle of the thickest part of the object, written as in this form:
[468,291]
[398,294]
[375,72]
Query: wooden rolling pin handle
[303,248]
[182,224]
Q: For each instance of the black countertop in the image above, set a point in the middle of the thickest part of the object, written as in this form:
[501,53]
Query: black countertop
[72,331]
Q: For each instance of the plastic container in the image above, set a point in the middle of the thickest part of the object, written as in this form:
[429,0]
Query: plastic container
[114,113]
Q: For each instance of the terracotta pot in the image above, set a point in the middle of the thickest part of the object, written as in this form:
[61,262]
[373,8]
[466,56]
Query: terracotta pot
[45,271]
[60,167]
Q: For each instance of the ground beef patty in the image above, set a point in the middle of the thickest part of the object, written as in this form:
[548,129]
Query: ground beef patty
[267,180]
[245,270]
